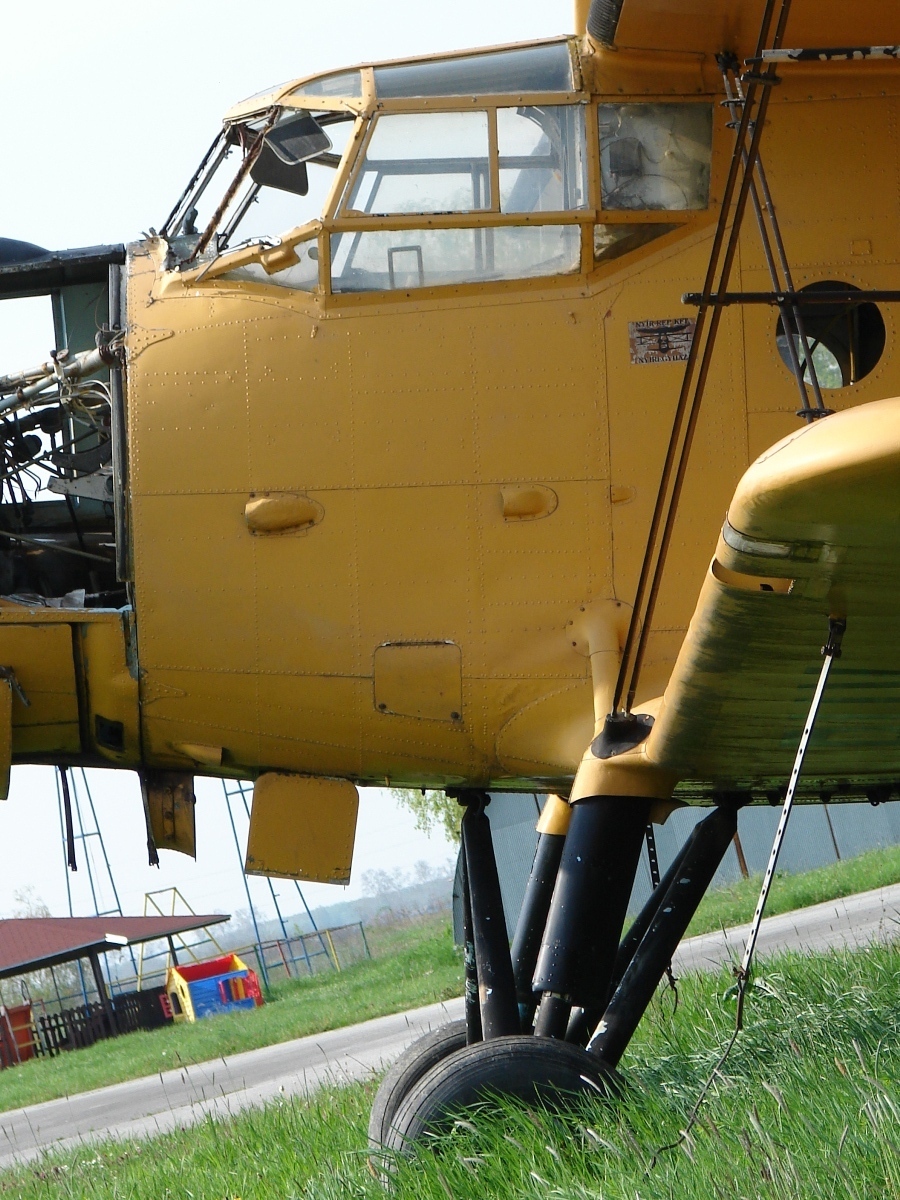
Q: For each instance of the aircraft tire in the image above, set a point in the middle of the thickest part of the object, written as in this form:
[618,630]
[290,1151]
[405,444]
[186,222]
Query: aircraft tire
[415,1061]
[522,1066]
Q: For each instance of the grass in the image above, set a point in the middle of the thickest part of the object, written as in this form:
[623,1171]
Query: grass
[733,905]
[413,964]
[808,1105]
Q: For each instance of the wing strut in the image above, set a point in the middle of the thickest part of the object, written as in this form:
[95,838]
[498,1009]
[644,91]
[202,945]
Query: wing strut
[724,247]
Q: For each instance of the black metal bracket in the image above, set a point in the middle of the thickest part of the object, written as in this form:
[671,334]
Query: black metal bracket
[621,731]
[837,627]
[791,298]
[762,80]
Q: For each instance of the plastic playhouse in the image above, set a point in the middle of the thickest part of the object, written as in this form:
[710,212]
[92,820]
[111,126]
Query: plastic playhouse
[218,985]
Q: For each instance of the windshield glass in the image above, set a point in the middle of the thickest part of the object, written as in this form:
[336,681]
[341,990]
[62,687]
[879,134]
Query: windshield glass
[655,156]
[527,69]
[542,162]
[341,83]
[259,180]
[439,162]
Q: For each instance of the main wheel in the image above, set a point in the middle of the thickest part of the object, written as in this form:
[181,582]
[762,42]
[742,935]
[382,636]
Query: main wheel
[415,1061]
[522,1066]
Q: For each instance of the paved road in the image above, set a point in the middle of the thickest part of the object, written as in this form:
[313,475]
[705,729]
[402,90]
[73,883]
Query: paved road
[854,921]
[173,1099]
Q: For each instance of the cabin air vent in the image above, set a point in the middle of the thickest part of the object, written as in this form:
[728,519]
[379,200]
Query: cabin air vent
[276,513]
[527,502]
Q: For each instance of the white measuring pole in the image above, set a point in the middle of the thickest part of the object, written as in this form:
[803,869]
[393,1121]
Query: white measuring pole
[831,650]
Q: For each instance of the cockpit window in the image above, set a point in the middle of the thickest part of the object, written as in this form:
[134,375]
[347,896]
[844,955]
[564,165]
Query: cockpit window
[426,163]
[249,191]
[341,83]
[442,163]
[655,156]
[528,69]
[542,163]
[277,204]
[384,260]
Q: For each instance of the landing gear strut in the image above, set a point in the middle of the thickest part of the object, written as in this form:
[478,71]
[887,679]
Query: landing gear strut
[571,980]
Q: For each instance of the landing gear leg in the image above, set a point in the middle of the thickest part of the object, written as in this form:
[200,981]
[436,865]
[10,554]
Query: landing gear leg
[490,998]
[496,987]
[659,929]
[587,913]
[552,829]
[582,961]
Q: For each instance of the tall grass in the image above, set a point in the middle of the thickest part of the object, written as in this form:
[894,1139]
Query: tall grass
[734,904]
[806,1108]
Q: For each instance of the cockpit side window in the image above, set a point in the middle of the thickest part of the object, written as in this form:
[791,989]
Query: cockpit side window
[287,186]
[542,161]
[655,156]
[261,179]
[443,163]
[425,163]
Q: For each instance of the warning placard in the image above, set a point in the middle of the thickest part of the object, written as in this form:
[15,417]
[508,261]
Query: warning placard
[661,341]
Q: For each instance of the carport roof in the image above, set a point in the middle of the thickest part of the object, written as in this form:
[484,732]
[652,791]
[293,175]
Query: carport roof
[31,943]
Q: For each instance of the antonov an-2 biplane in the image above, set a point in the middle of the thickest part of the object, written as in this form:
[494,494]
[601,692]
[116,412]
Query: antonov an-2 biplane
[513,419]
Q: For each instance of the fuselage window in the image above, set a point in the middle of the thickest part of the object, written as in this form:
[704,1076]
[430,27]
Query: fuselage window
[655,156]
[845,340]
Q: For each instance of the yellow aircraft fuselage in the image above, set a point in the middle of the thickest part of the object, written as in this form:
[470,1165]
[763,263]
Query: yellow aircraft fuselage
[391,531]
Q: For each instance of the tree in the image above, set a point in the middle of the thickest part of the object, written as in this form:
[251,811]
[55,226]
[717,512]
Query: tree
[29,903]
[432,810]
[38,984]
[379,882]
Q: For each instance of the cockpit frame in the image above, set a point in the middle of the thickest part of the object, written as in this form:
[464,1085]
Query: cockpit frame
[258,263]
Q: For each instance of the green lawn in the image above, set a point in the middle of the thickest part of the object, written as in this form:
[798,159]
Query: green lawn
[735,904]
[807,1108]
[413,964]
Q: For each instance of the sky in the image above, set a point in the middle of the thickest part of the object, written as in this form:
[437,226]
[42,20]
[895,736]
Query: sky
[106,111]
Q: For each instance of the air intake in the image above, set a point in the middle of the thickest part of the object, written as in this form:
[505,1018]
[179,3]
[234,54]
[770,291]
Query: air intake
[603,18]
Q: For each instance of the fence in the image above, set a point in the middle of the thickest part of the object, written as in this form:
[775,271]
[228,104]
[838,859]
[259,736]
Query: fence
[279,958]
[818,834]
[308,953]
[85,1024]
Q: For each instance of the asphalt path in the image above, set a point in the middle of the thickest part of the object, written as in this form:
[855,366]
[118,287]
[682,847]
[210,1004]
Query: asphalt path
[177,1099]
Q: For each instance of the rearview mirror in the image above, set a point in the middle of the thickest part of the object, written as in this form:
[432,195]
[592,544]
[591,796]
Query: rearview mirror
[286,149]
[297,139]
[270,170]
